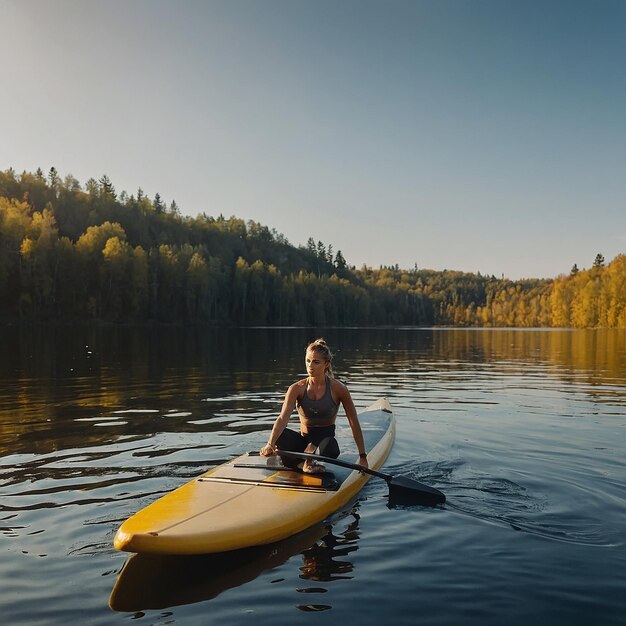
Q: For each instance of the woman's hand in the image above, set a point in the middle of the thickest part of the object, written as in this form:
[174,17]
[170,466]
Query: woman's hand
[280,424]
[363,461]
[268,450]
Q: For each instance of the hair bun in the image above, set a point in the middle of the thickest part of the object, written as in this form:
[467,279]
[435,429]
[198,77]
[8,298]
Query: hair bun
[321,346]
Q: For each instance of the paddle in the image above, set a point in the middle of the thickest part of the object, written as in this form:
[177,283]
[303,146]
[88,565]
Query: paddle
[402,490]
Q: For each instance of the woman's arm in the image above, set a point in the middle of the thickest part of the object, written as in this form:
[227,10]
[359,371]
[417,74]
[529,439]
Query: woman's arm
[348,405]
[289,403]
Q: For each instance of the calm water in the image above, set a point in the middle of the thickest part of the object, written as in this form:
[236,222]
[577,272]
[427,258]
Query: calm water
[525,432]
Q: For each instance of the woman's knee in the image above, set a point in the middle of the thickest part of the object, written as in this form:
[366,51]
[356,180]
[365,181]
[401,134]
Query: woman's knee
[293,441]
[329,447]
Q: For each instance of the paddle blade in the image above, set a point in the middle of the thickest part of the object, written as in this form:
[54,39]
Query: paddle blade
[403,490]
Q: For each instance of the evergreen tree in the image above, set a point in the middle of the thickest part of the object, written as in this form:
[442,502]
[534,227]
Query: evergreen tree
[340,262]
[106,187]
[53,178]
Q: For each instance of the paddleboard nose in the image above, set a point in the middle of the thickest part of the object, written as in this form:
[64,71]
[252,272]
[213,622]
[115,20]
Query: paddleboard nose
[123,540]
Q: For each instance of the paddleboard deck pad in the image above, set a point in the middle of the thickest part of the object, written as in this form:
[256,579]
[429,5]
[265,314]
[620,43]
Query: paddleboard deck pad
[253,500]
[248,470]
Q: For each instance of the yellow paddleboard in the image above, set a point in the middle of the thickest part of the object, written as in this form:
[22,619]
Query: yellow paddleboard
[252,500]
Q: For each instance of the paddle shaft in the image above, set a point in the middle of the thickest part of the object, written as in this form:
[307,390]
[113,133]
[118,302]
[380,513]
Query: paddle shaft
[340,462]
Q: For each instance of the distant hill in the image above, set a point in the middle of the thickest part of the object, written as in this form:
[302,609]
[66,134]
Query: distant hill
[82,253]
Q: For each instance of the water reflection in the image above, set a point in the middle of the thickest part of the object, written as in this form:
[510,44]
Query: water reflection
[66,388]
[158,581]
[320,560]
[598,351]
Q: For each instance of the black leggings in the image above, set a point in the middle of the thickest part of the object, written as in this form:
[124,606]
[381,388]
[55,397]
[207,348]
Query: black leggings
[322,437]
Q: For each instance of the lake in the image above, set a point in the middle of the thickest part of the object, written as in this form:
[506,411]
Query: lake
[523,430]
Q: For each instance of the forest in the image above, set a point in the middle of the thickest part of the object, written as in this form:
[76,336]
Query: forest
[82,253]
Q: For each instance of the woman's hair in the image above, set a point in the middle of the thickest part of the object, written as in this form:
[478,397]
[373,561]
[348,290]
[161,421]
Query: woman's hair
[320,345]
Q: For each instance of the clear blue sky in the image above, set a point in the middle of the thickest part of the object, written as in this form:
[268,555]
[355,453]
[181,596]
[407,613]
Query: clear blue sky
[479,135]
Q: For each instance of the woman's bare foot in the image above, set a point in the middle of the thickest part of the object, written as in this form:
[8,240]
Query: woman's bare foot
[313,467]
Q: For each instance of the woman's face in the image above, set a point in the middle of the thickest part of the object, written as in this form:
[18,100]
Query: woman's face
[315,364]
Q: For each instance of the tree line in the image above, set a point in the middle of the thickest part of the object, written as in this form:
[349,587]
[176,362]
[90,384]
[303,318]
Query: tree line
[70,252]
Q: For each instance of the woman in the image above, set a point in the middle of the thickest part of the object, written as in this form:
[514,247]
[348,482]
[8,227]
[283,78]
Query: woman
[317,398]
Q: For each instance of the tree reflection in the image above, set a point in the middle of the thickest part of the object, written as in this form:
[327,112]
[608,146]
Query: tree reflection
[72,388]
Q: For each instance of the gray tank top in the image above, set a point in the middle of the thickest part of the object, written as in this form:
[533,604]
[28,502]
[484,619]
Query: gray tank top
[323,410]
